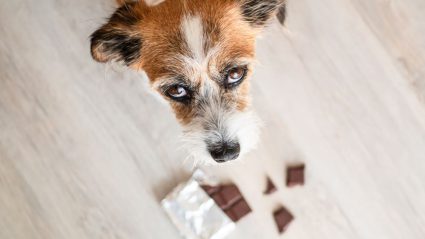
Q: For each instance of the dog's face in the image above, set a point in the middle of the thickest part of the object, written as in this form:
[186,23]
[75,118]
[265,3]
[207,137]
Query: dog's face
[198,54]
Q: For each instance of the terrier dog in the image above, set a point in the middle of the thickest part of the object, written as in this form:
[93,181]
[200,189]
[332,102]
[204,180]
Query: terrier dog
[198,54]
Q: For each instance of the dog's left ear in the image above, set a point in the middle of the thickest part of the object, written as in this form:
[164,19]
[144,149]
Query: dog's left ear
[258,12]
[117,40]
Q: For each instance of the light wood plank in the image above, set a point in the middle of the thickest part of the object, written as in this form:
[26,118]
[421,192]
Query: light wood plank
[87,152]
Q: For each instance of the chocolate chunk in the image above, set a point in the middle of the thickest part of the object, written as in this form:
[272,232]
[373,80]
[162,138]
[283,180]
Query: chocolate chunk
[270,188]
[210,190]
[239,210]
[283,218]
[295,175]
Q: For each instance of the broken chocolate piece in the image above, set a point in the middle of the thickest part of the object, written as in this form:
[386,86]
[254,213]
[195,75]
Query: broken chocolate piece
[295,175]
[283,218]
[238,210]
[270,188]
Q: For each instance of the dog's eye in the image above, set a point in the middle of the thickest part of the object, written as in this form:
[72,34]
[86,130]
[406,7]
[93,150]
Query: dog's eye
[178,92]
[235,76]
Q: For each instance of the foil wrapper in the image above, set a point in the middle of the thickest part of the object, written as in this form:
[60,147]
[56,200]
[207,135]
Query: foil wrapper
[194,213]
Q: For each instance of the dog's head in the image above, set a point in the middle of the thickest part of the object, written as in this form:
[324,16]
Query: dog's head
[198,54]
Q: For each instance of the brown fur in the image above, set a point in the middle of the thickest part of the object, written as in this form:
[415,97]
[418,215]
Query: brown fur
[159,28]
[199,55]
[163,41]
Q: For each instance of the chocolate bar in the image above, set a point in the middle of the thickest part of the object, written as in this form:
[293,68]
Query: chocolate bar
[229,199]
[270,188]
[191,211]
[283,218]
[295,175]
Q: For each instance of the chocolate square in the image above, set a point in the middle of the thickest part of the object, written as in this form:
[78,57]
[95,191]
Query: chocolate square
[295,175]
[283,218]
[270,188]
[239,210]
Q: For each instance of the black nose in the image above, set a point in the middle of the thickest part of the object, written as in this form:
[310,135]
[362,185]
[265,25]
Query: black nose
[225,151]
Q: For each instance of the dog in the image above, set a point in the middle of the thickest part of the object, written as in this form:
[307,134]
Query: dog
[199,55]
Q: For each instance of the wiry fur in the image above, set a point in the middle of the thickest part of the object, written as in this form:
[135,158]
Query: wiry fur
[257,12]
[242,125]
[193,32]
[116,40]
[218,120]
[193,43]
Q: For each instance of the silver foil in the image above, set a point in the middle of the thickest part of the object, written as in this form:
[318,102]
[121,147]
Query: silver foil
[194,213]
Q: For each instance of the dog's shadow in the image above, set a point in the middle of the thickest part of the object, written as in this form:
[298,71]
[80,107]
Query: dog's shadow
[162,188]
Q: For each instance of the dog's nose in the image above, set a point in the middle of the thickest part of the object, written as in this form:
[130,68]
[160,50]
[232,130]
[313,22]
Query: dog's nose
[225,152]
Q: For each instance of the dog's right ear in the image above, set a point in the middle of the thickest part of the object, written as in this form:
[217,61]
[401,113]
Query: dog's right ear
[117,40]
[258,12]
[281,14]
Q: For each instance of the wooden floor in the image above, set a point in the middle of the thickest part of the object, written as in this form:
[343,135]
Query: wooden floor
[86,152]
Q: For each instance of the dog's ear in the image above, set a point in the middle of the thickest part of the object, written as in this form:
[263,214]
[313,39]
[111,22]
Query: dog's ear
[281,14]
[117,40]
[258,12]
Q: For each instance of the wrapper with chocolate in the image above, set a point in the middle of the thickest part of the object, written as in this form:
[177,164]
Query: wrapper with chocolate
[194,213]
